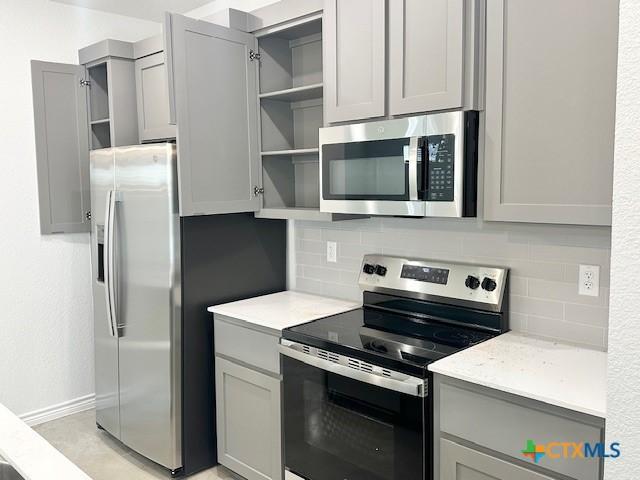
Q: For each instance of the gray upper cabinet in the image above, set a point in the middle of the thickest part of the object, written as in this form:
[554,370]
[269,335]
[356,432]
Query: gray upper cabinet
[62,146]
[426,55]
[462,463]
[354,43]
[216,107]
[550,105]
[153,99]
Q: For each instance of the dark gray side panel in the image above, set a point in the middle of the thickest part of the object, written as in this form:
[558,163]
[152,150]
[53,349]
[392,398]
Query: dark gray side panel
[224,258]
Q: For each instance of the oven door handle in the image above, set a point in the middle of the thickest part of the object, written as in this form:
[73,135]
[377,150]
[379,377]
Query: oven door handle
[410,385]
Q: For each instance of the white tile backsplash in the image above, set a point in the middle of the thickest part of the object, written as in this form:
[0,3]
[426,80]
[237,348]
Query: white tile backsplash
[543,260]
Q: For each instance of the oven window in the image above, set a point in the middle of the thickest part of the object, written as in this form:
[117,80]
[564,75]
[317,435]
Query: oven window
[374,170]
[337,428]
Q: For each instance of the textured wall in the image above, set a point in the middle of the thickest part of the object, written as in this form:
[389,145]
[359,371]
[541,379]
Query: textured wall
[543,260]
[623,383]
[46,344]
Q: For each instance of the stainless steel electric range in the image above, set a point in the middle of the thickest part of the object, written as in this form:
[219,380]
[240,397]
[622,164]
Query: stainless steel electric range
[356,396]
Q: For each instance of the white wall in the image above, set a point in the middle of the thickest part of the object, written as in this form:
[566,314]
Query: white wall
[623,383]
[217,5]
[46,337]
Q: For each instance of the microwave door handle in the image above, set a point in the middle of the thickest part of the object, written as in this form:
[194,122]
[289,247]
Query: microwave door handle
[413,168]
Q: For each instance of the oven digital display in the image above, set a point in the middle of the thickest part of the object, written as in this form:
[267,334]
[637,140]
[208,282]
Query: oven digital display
[425,274]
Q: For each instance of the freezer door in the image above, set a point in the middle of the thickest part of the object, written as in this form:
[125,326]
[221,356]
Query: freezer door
[106,344]
[148,301]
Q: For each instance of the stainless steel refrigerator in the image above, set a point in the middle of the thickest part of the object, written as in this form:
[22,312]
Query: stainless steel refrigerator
[154,274]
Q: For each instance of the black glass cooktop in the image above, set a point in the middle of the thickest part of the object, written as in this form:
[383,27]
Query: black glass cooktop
[391,340]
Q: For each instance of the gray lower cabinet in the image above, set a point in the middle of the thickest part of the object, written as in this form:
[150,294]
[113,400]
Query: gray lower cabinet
[426,55]
[463,463]
[215,94]
[248,421]
[248,398]
[62,147]
[153,99]
[480,433]
[354,43]
[550,107]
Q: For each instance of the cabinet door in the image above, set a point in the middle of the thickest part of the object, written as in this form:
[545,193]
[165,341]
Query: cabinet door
[62,146]
[248,421]
[426,55]
[216,103]
[153,99]
[550,105]
[354,40]
[462,463]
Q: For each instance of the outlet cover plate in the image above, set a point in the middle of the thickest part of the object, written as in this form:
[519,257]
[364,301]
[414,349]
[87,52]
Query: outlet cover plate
[589,280]
[332,252]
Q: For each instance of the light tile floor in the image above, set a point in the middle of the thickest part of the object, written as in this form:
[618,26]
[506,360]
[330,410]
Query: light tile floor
[104,458]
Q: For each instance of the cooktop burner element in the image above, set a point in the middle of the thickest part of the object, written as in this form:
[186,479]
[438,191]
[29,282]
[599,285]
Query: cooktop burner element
[416,313]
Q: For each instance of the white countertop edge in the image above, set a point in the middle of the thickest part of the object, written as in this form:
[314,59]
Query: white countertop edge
[520,393]
[503,363]
[31,455]
[283,309]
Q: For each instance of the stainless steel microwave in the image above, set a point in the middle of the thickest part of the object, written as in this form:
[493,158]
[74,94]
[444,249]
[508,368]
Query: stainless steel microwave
[424,166]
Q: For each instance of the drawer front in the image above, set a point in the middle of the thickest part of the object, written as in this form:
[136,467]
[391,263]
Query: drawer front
[505,427]
[250,346]
[462,463]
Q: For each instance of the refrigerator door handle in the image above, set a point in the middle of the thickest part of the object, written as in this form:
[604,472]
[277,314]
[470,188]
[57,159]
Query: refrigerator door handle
[109,284]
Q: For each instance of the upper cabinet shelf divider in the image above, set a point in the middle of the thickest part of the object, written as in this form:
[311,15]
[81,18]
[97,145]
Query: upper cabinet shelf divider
[295,94]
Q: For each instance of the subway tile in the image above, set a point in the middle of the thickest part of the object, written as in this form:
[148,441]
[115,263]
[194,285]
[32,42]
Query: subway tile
[343,236]
[517,285]
[494,245]
[304,258]
[308,285]
[349,277]
[310,246]
[323,274]
[567,292]
[309,233]
[567,254]
[351,250]
[535,306]
[342,291]
[517,322]
[346,263]
[566,331]
[586,314]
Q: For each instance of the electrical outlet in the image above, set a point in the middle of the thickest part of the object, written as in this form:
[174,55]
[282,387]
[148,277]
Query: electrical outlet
[332,252]
[589,280]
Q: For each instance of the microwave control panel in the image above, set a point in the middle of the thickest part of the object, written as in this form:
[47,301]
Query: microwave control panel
[440,155]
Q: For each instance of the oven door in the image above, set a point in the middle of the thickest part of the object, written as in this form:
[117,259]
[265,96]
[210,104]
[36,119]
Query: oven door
[337,427]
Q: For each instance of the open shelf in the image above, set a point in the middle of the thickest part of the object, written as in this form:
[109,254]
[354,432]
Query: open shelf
[98,92]
[288,153]
[295,94]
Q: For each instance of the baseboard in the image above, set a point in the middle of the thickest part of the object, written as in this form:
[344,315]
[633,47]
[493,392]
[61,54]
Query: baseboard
[60,410]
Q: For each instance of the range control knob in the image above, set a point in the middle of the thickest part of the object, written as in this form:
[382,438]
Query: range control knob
[381,270]
[488,284]
[472,282]
[368,268]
